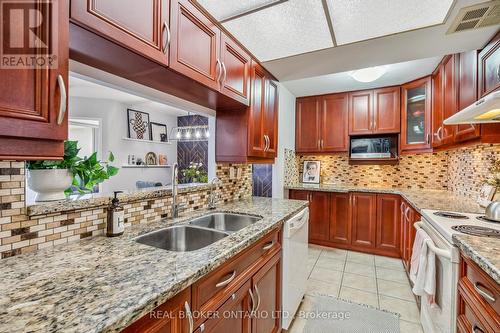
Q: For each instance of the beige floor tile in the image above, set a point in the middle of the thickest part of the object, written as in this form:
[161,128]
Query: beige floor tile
[359,296]
[366,283]
[322,287]
[360,258]
[361,269]
[395,289]
[329,263]
[326,275]
[313,252]
[408,310]
[386,262]
[391,275]
[310,264]
[334,254]
[407,327]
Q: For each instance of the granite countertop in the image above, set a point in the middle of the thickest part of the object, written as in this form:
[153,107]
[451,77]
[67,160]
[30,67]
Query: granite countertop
[103,284]
[484,251]
[85,201]
[418,198]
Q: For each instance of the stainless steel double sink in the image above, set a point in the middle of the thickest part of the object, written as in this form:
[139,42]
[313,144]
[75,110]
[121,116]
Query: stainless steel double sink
[198,233]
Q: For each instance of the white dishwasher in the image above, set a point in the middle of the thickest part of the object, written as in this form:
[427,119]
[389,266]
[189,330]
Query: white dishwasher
[295,248]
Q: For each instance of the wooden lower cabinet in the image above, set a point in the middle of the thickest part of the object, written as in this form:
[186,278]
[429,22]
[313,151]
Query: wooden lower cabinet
[388,223]
[407,232]
[340,226]
[363,219]
[319,216]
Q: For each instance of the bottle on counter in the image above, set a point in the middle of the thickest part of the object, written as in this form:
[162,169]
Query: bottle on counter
[116,217]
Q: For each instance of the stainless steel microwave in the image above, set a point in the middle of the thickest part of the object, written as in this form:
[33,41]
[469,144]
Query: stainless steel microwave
[373,147]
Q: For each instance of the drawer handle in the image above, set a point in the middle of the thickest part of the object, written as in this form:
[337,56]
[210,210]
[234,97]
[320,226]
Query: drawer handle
[484,292]
[227,281]
[62,99]
[268,246]
[476,329]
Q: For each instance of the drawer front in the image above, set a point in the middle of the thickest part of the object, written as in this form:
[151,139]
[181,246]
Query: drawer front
[485,288]
[468,321]
[212,290]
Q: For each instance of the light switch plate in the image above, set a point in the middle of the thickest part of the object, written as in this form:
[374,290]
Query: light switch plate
[231,173]
[239,173]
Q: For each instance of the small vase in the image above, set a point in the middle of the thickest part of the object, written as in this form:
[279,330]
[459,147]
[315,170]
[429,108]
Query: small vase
[49,184]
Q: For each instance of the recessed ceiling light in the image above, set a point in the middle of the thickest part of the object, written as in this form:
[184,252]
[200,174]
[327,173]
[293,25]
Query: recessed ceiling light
[368,74]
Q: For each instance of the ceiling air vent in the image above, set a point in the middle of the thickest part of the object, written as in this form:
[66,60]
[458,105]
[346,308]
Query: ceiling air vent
[477,16]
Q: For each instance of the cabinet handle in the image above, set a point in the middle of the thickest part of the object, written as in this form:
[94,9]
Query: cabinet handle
[268,246]
[226,281]
[484,292]
[225,71]
[322,144]
[268,142]
[258,298]
[476,329]
[167,42]
[62,99]
[428,138]
[498,72]
[438,136]
[401,208]
[407,212]
[219,70]
[189,315]
[252,311]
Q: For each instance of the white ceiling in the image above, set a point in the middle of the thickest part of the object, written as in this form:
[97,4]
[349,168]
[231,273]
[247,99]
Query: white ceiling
[339,82]
[80,87]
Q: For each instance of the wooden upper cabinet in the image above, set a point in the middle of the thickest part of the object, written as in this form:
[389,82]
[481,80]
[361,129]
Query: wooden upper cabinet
[256,139]
[416,113]
[340,220]
[307,125]
[235,68]
[141,26]
[319,216]
[437,106]
[334,119]
[388,223]
[449,97]
[195,46]
[386,110]
[361,112]
[33,103]
[271,119]
[363,219]
[467,93]
[489,67]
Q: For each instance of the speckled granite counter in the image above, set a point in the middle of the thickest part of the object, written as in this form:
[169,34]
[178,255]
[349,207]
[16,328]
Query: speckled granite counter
[103,284]
[419,199]
[483,251]
[86,201]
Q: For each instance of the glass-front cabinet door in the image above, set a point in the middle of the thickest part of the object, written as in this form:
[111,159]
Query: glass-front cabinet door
[416,115]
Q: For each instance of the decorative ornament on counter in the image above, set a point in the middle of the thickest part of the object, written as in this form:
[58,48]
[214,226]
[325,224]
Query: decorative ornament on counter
[162,159]
[311,172]
[151,158]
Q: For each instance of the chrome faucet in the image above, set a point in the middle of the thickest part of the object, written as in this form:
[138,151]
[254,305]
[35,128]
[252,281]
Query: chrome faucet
[175,205]
[212,195]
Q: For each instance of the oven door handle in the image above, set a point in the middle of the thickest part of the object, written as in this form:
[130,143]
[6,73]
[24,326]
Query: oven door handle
[432,247]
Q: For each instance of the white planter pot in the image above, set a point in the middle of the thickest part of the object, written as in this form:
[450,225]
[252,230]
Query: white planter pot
[49,184]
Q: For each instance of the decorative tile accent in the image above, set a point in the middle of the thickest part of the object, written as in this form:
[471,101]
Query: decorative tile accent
[290,168]
[196,151]
[20,233]
[262,180]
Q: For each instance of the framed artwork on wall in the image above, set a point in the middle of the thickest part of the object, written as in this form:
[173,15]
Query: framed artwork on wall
[159,132]
[138,125]
[311,172]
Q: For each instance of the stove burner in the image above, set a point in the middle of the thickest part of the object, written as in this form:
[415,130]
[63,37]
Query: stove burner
[451,215]
[485,219]
[477,230]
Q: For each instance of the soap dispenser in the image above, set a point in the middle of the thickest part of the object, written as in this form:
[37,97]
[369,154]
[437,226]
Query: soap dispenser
[116,217]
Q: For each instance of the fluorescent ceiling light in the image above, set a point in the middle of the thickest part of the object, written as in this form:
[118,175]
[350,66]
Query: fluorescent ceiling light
[358,20]
[286,29]
[368,74]
[222,9]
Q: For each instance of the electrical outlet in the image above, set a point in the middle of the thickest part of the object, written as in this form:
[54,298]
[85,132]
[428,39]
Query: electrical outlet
[239,173]
[231,173]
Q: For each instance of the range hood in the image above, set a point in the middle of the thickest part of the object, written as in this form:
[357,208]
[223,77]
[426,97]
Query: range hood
[485,110]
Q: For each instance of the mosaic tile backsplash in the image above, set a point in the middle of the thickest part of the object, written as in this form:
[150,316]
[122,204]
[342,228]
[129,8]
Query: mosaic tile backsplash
[20,233]
[462,170]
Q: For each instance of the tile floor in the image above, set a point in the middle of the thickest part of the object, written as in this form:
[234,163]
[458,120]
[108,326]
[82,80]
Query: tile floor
[363,278]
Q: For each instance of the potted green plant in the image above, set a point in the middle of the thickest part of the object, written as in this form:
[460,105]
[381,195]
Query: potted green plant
[194,173]
[52,180]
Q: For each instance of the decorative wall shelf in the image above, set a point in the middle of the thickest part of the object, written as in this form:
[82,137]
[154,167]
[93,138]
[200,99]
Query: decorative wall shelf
[131,166]
[147,141]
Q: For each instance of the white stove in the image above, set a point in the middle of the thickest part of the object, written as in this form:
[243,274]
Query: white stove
[440,226]
[446,223]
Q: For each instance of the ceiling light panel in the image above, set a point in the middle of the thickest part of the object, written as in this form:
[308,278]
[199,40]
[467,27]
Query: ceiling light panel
[289,28]
[222,9]
[358,20]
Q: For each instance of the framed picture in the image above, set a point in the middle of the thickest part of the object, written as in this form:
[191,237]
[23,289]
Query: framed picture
[159,132]
[486,194]
[311,172]
[138,125]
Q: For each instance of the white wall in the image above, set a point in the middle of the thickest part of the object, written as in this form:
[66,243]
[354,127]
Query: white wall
[113,117]
[286,137]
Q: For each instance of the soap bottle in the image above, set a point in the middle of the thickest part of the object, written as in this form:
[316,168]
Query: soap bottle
[116,217]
